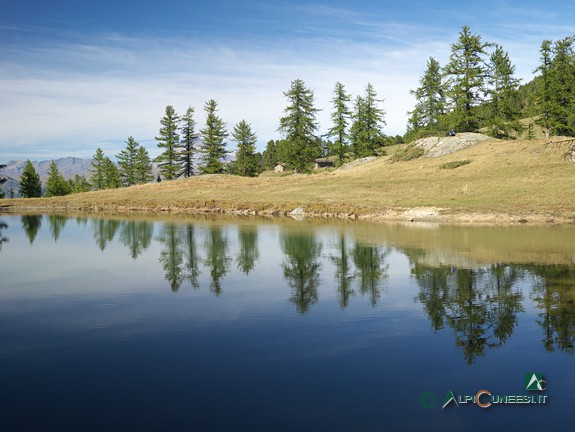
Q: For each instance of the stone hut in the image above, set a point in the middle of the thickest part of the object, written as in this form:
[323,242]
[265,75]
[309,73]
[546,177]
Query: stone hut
[324,162]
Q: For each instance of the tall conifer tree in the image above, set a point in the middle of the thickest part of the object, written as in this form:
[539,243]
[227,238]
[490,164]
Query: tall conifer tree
[187,146]
[143,166]
[299,126]
[112,174]
[56,185]
[340,117]
[127,160]
[168,140]
[213,136]
[368,120]
[431,102]
[543,91]
[562,107]
[98,171]
[246,160]
[30,184]
[504,107]
[466,73]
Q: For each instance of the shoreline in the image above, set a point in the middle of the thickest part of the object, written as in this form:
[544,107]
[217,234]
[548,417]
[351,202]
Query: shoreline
[413,214]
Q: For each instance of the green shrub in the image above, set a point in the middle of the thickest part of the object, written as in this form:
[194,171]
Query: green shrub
[455,164]
[409,152]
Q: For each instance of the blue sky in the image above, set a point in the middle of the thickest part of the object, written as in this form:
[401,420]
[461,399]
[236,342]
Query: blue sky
[75,76]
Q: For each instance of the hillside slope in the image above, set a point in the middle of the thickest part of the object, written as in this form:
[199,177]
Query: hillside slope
[504,181]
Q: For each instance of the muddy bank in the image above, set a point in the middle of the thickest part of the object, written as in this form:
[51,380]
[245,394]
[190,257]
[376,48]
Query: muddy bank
[416,214]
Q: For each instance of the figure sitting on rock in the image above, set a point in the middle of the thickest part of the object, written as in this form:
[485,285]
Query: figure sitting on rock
[451,133]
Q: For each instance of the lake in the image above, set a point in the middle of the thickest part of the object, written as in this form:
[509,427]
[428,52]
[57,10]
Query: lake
[237,324]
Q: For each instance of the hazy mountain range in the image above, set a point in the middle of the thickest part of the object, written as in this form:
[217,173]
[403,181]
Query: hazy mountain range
[68,167]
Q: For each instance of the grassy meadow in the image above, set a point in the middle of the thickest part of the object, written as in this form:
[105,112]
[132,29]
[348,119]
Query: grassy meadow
[498,181]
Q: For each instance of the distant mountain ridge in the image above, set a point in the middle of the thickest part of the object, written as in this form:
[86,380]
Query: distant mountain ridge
[68,167]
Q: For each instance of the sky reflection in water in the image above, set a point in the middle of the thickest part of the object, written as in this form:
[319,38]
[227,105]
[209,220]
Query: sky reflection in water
[243,324]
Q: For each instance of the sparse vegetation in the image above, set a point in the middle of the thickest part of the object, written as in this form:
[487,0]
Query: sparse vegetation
[407,153]
[455,164]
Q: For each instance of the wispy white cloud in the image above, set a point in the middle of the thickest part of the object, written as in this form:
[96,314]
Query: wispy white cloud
[71,94]
[78,96]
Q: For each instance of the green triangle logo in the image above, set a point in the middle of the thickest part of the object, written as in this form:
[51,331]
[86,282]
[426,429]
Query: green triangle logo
[450,397]
[534,382]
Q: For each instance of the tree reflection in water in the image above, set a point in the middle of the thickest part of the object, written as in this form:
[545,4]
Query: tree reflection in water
[191,257]
[136,236]
[554,294]
[217,259]
[479,305]
[57,224]
[31,225]
[301,268]
[249,253]
[371,270]
[3,238]
[343,273]
[104,231]
[171,256]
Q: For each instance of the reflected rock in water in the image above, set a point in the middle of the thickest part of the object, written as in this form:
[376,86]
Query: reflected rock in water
[301,268]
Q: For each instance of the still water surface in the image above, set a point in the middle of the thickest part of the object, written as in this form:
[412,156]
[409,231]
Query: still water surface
[240,324]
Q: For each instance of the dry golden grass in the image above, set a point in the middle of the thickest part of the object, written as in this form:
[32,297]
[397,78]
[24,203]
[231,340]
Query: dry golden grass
[520,178]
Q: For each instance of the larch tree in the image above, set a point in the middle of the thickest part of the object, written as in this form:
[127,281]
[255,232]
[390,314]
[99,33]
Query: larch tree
[188,142]
[341,118]
[466,72]
[299,126]
[214,140]
[543,94]
[98,170]
[562,107]
[112,174]
[368,120]
[127,160]
[2,180]
[168,140]
[143,166]
[30,184]
[56,185]
[270,156]
[246,160]
[430,98]
[504,107]
[79,184]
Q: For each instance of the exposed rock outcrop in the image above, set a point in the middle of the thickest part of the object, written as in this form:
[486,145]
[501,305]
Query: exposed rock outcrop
[441,146]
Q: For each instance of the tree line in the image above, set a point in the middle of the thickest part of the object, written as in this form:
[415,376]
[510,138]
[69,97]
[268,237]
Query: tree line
[477,90]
